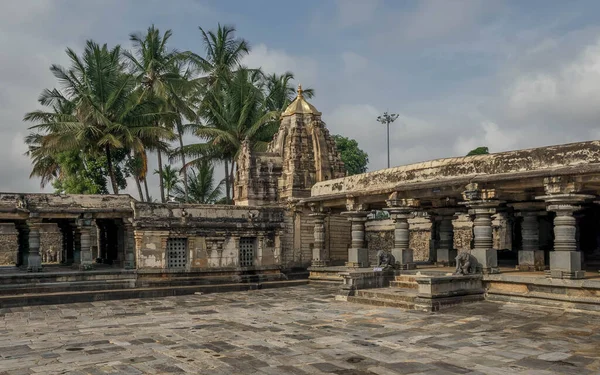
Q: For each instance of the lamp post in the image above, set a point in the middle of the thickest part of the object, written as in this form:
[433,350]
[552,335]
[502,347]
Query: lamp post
[387,119]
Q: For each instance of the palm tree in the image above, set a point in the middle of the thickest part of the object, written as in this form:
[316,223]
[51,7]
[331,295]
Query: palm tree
[170,176]
[233,114]
[224,53]
[152,64]
[279,92]
[107,114]
[201,187]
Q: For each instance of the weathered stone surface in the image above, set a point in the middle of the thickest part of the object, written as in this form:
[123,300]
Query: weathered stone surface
[388,180]
[279,332]
[9,245]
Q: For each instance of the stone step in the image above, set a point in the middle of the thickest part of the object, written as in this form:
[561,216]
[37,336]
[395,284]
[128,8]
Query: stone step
[8,301]
[53,287]
[406,278]
[382,302]
[324,282]
[404,284]
[391,294]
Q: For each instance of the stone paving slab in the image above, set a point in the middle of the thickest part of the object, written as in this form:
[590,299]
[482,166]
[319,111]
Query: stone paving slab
[299,330]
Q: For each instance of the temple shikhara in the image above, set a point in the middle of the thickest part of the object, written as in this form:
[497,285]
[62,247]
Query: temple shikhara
[523,226]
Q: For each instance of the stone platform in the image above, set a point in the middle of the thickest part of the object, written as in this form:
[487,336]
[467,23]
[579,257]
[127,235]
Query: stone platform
[535,288]
[64,285]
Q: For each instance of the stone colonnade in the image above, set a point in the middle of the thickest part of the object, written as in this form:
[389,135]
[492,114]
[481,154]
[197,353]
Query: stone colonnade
[482,205]
[33,242]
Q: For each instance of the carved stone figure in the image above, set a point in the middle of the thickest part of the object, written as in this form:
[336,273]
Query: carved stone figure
[463,264]
[385,259]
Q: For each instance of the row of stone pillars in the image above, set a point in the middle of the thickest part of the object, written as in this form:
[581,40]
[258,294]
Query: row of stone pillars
[82,243]
[565,260]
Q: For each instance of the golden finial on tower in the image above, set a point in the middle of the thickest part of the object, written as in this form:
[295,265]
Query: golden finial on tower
[300,91]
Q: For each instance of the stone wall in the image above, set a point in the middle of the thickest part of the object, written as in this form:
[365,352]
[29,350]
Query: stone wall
[9,244]
[338,236]
[420,236]
[463,233]
[212,234]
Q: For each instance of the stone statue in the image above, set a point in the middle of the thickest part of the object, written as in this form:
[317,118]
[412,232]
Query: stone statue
[21,203]
[463,264]
[385,259]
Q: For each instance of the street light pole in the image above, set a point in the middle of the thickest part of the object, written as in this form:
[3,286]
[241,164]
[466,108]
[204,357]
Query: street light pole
[387,119]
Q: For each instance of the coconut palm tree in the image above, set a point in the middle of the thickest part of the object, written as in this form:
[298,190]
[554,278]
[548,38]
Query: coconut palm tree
[152,64]
[279,91]
[170,176]
[223,54]
[107,114]
[232,114]
[202,188]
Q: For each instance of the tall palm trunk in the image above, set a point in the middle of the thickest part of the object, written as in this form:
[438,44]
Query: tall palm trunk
[227,191]
[185,175]
[146,189]
[161,183]
[231,180]
[136,177]
[111,171]
[139,187]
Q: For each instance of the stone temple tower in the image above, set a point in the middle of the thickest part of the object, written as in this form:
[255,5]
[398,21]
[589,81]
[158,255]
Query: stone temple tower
[301,154]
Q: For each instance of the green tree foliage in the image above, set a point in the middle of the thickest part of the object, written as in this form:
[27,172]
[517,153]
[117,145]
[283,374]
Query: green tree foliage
[479,151]
[355,159]
[107,115]
[170,178]
[113,107]
[202,188]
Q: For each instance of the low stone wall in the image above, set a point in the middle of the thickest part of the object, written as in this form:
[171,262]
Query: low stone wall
[9,244]
[211,236]
[437,292]
[358,280]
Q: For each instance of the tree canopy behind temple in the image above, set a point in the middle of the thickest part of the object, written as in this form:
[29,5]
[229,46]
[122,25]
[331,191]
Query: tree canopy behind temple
[479,151]
[112,107]
[355,160]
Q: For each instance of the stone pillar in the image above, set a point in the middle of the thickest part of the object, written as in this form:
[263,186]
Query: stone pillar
[129,245]
[34,260]
[9,244]
[531,258]
[482,204]
[85,227]
[401,210]
[483,251]
[446,254]
[358,255]
[565,260]
[320,252]
[562,197]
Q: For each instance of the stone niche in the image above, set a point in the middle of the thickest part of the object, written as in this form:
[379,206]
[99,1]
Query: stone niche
[9,244]
[51,243]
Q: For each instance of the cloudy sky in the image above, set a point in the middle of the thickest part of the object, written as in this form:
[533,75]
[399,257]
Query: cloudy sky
[461,73]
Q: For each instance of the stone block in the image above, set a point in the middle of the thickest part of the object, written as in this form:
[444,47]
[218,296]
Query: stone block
[446,256]
[566,265]
[358,257]
[403,256]
[487,260]
[531,260]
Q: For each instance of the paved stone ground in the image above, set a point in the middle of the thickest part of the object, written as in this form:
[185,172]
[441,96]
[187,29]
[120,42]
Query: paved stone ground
[299,330]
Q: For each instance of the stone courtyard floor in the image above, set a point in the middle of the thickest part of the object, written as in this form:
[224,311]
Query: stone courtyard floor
[299,330]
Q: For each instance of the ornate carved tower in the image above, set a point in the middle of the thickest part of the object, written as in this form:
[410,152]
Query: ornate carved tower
[306,154]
